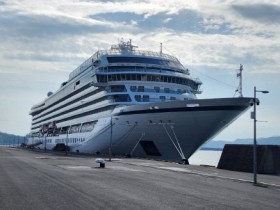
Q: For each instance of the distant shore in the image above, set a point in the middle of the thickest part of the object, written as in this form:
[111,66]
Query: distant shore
[213,149]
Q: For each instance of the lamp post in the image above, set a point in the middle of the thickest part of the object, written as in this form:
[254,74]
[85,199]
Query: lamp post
[45,147]
[111,136]
[256,102]
[67,132]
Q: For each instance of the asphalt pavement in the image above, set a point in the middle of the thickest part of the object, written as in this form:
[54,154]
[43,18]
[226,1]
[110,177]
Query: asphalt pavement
[38,180]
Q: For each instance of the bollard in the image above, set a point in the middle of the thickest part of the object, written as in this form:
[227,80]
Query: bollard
[185,161]
[101,162]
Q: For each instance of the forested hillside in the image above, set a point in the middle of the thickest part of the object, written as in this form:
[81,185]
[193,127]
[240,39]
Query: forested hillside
[10,139]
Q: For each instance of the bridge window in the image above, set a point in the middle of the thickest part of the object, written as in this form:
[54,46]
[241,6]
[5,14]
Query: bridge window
[147,77]
[121,98]
[87,127]
[133,88]
[162,98]
[64,130]
[118,88]
[140,88]
[166,90]
[75,128]
[146,98]
[137,97]
[157,89]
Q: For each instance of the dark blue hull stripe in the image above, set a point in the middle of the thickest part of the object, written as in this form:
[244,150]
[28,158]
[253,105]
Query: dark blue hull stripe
[185,109]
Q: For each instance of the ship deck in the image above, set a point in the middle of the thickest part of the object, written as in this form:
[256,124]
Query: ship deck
[32,179]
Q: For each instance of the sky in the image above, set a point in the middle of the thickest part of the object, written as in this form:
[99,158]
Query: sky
[42,41]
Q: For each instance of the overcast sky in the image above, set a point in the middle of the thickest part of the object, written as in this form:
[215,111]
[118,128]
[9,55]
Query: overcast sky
[41,42]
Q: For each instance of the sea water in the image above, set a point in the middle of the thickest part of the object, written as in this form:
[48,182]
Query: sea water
[205,157]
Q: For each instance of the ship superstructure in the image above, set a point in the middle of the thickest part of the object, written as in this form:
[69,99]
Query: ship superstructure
[131,102]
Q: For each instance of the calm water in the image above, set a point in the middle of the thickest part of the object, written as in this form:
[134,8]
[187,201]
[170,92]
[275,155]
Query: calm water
[205,157]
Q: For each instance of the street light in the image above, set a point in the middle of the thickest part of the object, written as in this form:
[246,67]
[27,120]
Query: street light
[66,149]
[111,136]
[256,101]
[45,147]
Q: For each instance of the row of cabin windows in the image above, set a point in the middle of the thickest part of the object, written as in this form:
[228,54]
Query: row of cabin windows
[69,103]
[95,111]
[147,77]
[67,97]
[83,105]
[78,128]
[157,90]
[139,98]
[69,140]
[146,98]
[122,88]
[63,140]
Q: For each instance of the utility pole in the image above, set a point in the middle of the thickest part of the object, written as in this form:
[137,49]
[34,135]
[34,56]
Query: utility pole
[254,114]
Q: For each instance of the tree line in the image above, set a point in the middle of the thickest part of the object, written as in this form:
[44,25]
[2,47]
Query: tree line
[10,139]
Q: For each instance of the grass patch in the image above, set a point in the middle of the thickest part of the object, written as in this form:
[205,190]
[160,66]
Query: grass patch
[261,185]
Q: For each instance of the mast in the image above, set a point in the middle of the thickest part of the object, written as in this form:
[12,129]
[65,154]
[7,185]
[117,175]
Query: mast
[239,74]
[160,48]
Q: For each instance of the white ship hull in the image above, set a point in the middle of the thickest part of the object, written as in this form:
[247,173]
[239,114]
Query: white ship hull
[164,130]
[125,101]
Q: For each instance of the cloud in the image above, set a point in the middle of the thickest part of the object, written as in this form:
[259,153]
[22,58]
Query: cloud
[43,26]
[264,13]
[39,57]
[125,17]
[102,1]
[184,20]
[59,36]
[43,41]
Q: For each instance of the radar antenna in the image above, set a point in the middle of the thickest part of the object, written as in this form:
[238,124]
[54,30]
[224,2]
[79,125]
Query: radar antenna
[239,74]
[124,46]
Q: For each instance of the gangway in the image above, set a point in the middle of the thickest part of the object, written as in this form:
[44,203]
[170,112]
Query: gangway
[34,144]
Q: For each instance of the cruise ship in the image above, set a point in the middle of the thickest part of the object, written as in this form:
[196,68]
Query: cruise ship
[124,101]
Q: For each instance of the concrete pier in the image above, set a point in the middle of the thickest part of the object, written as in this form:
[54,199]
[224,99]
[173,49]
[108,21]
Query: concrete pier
[38,180]
[239,157]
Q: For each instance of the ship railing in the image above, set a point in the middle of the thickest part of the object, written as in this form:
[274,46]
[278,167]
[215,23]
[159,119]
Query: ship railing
[197,80]
[87,63]
[166,73]
[39,105]
[84,66]
[135,52]
[105,69]
[141,68]
[198,91]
